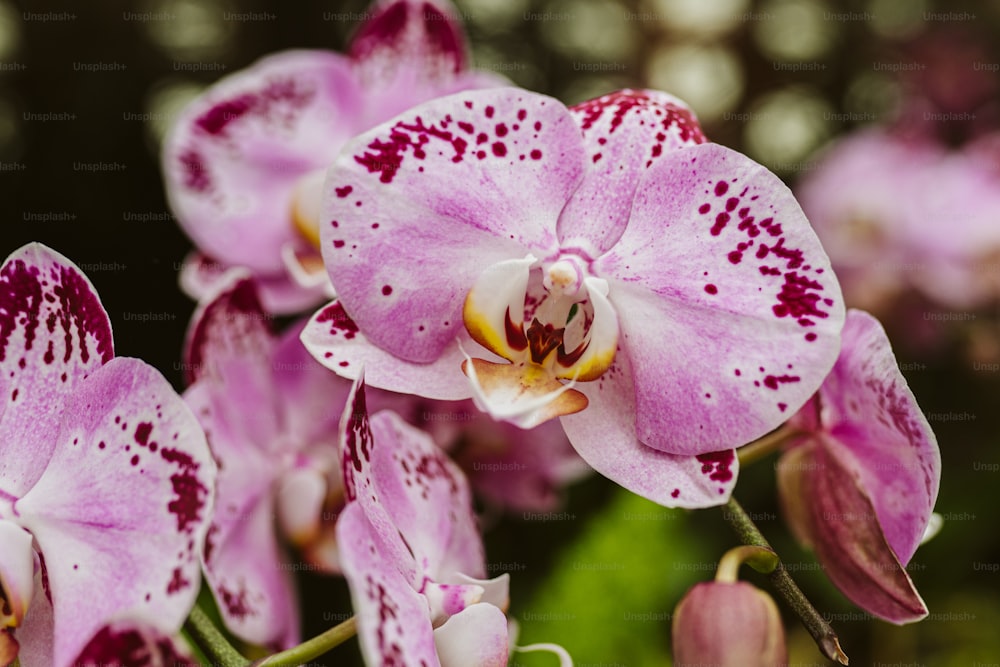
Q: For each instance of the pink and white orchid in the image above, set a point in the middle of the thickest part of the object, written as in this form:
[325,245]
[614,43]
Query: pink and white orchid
[244,162]
[411,551]
[860,481]
[271,415]
[105,477]
[664,296]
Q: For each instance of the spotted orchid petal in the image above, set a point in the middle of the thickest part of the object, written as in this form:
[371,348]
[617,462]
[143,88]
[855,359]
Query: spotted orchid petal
[53,333]
[237,153]
[393,618]
[132,643]
[624,133]
[475,637]
[605,436]
[718,256]
[423,247]
[122,506]
[17,575]
[421,491]
[335,341]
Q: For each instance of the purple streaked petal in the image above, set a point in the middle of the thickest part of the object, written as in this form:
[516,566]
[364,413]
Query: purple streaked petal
[250,574]
[436,207]
[427,497]
[335,341]
[624,133]
[122,507]
[604,435]
[844,530]
[236,153]
[53,332]
[719,274]
[133,643]
[394,625]
[17,573]
[475,637]
[871,412]
[405,40]
[228,348]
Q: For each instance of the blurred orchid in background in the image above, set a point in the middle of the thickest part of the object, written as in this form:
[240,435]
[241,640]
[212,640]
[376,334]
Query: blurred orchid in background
[106,483]
[246,159]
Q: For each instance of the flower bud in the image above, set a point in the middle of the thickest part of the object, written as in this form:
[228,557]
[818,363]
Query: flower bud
[728,625]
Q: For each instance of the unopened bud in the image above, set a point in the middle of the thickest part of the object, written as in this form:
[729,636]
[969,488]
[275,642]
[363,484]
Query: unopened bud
[728,625]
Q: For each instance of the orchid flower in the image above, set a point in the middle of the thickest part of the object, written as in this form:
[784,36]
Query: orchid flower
[877,199]
[271,414]
[105,477]
[664,296]
[411,552]
[244,162]
[860,481]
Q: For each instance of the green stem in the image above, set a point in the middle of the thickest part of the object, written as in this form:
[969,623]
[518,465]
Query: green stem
[824,636]
[765,445]
[211,641]
[762,559]
[312,648]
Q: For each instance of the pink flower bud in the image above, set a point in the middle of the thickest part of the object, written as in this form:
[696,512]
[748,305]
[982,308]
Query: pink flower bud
[728,625]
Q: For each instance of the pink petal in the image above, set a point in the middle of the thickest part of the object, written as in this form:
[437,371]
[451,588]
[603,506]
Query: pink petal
[122,507]
[200,277]
[53,332]
[132,643]
[604,435]
[729,311]
[872,413]
[250,575]
[236,153]
[624,133]
[335,341]
[17,573]
[408,45]
[845,533]
[394,625]
[475,637]
[449,188]
[228,348]
[399,469]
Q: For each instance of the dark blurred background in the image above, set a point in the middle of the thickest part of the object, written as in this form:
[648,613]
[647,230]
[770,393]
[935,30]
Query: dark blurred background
[87,89]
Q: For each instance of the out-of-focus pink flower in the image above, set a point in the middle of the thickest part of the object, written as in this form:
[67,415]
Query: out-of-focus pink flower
[860,480]
[105,477]
[899,215]
[244,163]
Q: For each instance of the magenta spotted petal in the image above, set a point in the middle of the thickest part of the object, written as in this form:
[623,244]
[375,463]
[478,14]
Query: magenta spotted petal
[871,433]
[104,467]
[133,643]
[408,542]
[687,276]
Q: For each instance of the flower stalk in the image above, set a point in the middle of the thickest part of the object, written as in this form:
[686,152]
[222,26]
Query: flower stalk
[312,648]
[824,636]
[211,641]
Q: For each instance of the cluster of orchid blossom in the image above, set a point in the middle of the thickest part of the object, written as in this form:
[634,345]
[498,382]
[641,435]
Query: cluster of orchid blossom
[907,209]
[521,286]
